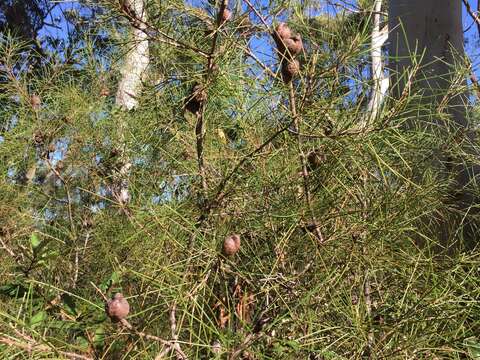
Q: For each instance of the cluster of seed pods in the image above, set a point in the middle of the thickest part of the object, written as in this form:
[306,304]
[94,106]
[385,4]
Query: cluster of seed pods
[289,45]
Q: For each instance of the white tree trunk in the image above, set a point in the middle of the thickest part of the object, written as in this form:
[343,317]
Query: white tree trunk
[380,81]
[136,59]
[132,74]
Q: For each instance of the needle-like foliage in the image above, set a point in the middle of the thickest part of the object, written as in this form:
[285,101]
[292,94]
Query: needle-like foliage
[341,255]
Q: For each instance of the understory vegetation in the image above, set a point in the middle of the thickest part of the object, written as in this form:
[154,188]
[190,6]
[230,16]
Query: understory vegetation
[352,240]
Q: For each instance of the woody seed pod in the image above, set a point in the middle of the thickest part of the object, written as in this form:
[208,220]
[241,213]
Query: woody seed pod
[117,308]
[197,99]
[38,138]
[290,69]
[294,45]
[226,16]
[283,31]
[315,159]
[288,45]
[231,244]
[104,91]
[35,102]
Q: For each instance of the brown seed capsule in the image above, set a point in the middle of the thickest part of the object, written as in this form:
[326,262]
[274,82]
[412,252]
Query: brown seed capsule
[290,69]
[288,45]
[117,308]
[38,138]
[197,99]
[114,152]
[231,244]
[60,165]
[315,159]
[294,44]
[104,91]
[283,31]
[226,16]
[35,102]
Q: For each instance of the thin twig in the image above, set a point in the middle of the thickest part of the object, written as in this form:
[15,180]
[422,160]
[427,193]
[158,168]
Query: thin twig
[219,192]
[366,286]
[269,71]
[30,345]
[129,326]
[200,124]
[87,236]
[174,345]
[70,217]
[473,77]
[262,19]
[173,327]
[99,291]
[356,10]
[473,15]
[368,304]
[199,137]
[239,350]
[7,249]
[67,190]
[168,343]
[75,273]
[152,32]
[303,163]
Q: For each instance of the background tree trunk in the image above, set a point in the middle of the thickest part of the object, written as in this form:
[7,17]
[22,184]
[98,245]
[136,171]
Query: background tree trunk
[433,26]
[430,31]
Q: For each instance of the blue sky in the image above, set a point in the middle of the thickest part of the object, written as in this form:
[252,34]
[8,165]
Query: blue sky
[259,45]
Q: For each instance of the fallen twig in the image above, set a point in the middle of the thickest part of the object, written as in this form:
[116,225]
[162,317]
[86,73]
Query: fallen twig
[31,345]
